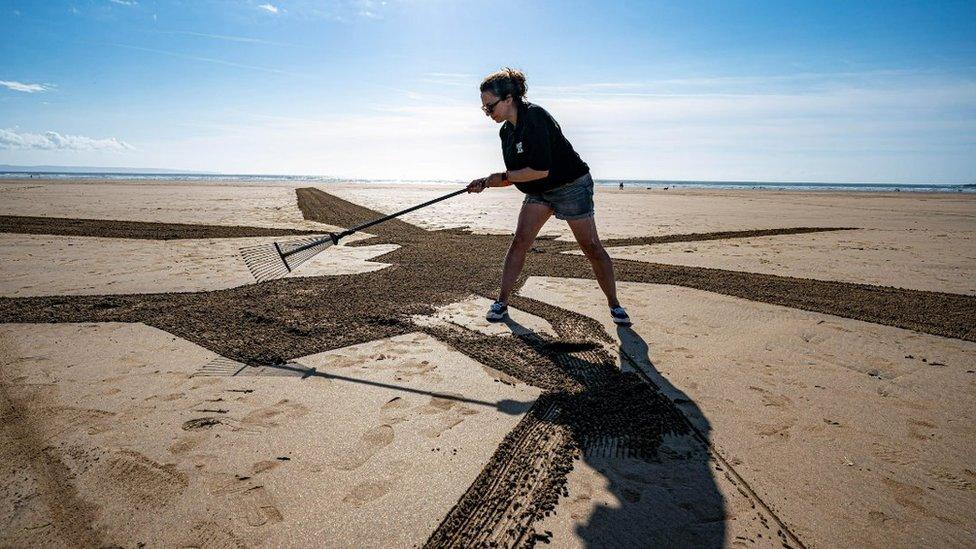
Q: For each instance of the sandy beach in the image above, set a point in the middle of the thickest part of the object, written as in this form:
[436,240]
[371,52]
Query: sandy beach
[801,371]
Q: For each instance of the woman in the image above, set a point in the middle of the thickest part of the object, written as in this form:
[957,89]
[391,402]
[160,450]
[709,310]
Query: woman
[542,164]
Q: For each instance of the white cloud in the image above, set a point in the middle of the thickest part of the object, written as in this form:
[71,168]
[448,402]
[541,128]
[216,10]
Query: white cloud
[125,2]
[269,8]
[21,87]
[369,9]
[10,139]
[909,131]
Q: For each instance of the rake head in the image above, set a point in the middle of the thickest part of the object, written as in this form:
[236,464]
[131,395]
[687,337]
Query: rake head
[275,260]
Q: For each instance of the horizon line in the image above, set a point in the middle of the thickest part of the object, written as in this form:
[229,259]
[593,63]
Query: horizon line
[162,172]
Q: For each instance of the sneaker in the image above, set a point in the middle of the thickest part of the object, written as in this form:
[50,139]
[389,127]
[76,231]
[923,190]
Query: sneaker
[620,316]
[497,311]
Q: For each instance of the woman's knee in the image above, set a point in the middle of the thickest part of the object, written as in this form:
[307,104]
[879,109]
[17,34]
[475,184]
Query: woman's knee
[521,243]
[593,249]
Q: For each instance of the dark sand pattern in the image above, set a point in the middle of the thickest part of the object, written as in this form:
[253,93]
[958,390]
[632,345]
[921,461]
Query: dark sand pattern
[295,317]
[552,245]
[141,230]
[937,313]
[586,397]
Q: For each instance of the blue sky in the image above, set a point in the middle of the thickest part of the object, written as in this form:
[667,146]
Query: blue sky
[764,91]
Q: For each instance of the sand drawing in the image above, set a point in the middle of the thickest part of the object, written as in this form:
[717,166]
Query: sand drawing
[587,406]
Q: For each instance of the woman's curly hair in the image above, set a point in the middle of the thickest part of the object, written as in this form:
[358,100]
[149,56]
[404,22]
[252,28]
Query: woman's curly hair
[505,82]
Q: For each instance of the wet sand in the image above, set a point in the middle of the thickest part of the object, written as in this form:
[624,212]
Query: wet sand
[693,463]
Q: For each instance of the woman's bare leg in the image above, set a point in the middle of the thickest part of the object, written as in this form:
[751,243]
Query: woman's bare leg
[531,219]
[589,242]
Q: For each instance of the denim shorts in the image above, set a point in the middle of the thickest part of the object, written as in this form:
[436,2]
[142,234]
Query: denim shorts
[574,200]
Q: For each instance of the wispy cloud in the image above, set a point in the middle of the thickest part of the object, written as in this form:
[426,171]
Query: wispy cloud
[227,37]
[729,85]
[11,139]
[22,87]
[370,8]
[343,11]
[269,8]
[206,59]
[125,2]
[450,79]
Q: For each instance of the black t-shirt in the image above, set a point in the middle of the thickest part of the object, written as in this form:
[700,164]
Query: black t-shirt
[537,142]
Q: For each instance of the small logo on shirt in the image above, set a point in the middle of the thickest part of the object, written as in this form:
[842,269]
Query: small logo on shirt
[518,147]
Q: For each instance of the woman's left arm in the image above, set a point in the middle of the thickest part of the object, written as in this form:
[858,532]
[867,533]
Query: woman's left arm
[504,179]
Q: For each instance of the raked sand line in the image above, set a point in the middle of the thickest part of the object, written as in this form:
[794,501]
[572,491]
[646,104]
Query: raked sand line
[133,229]
[902,259]
[560,246]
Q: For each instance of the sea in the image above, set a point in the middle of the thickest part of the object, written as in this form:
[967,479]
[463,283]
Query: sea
[659,184]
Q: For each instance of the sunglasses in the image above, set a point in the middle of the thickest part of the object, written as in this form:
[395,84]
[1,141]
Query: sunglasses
[490,108]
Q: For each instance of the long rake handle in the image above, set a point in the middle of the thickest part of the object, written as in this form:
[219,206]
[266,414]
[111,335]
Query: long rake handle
[334,237]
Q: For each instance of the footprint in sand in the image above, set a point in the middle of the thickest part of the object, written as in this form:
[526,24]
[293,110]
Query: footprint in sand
[186,443]
[131,477]
[372,489]
[259,508]
[210,534]
[413,368]
[780,429]
[246,498]
[371,442]
[272,416]
[447,413]
[450,413]
[395,410]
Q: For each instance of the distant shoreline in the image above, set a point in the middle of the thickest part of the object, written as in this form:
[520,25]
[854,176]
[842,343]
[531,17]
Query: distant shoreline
[654,184]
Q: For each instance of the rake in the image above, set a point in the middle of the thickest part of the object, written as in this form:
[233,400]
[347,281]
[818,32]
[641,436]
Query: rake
[272,261]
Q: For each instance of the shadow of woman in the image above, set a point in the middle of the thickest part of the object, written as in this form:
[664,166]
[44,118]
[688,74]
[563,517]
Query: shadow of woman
[671,499]
[668,498]
[604,458]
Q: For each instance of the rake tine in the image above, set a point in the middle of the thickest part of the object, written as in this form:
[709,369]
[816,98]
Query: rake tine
[282,256]
[275,260]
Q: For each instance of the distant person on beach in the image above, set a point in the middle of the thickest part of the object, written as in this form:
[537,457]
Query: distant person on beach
[541,163]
